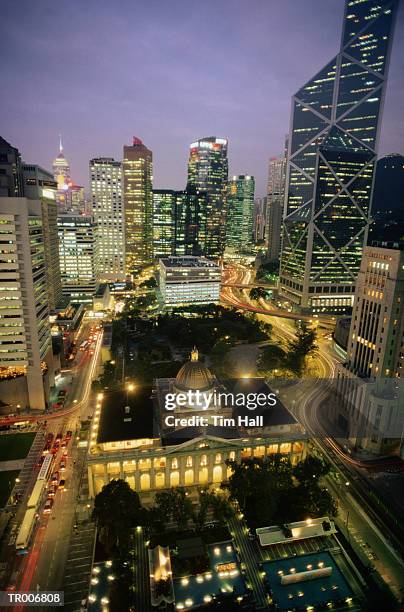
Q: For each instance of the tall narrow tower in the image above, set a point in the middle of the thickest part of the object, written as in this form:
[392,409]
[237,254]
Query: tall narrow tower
[332,152]
[240,208]
[138,205]
[207,171]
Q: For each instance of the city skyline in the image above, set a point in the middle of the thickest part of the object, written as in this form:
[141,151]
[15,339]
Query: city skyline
[77,104]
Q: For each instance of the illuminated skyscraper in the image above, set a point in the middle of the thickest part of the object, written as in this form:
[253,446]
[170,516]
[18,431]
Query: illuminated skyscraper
[179,222]
[138,204]
[76,252]
[207,171]
[61,173]
[25,339]
[108,217]
[39,184]
[163,222]
[240,208]
[332,152]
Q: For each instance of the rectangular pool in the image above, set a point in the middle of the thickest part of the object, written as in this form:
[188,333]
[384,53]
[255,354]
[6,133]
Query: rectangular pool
[306,593]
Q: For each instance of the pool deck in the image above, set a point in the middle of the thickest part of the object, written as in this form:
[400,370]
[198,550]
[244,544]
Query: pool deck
[193,591]
[311,592]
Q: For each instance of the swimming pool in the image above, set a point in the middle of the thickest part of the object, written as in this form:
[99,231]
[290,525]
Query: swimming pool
[196,590]
[305,593]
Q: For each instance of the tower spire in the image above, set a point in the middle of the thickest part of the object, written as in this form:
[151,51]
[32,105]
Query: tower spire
[60,143]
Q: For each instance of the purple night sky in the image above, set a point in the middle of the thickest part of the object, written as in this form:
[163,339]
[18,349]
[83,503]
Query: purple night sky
[169,72]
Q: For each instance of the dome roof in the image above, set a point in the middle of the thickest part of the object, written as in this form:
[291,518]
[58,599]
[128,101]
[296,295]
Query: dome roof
[194,375]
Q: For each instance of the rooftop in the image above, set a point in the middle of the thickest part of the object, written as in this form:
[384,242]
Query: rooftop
[126,416]
[187,262]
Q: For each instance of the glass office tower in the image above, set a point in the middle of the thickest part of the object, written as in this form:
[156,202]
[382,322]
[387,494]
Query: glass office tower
[240,209]
[208,171]
[179,222]
[332,153]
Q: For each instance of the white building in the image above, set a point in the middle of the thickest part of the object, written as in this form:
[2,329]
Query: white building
[76,252]
[39,184]
[189,280]
[25,340]
[370,382]
[108,216]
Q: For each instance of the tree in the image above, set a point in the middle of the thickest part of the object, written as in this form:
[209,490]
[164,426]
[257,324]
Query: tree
[311,468]
[175,505]
[301,347]
[149,283]
[117,510]
[258,292]
[272,492]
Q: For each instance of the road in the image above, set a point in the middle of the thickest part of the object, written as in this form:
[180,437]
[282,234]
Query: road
[43,567]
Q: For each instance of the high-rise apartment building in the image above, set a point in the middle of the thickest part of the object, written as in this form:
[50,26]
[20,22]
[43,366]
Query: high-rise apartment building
[275,203]
[370,383]
[138,205]
[332,151]
[76,252]
[208,171]
[240,209]
[11,184]
[108,217]
[25,340]
[179,222]
[39,184]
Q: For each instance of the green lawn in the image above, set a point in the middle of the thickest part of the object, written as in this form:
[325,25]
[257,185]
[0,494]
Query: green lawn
[7,481]
[15,446]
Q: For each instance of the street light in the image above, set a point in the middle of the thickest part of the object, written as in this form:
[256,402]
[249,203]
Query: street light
[129,388]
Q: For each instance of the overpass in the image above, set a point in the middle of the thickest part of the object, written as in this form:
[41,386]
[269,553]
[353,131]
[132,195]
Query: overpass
[249,285]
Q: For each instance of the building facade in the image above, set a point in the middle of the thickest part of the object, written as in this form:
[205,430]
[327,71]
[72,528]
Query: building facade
[25,340]
[275,204]
[259,219]
[76,252]
[129,439]
[240,210]
[164,209]
[335,124]
[208,172]
[370,383]
[189,280]
[138,205]
[108,217]
[179,222]
[11,183]
[39,184]
[61,173]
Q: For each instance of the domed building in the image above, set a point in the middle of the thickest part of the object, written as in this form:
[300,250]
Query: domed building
[194,376]
[179,432]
